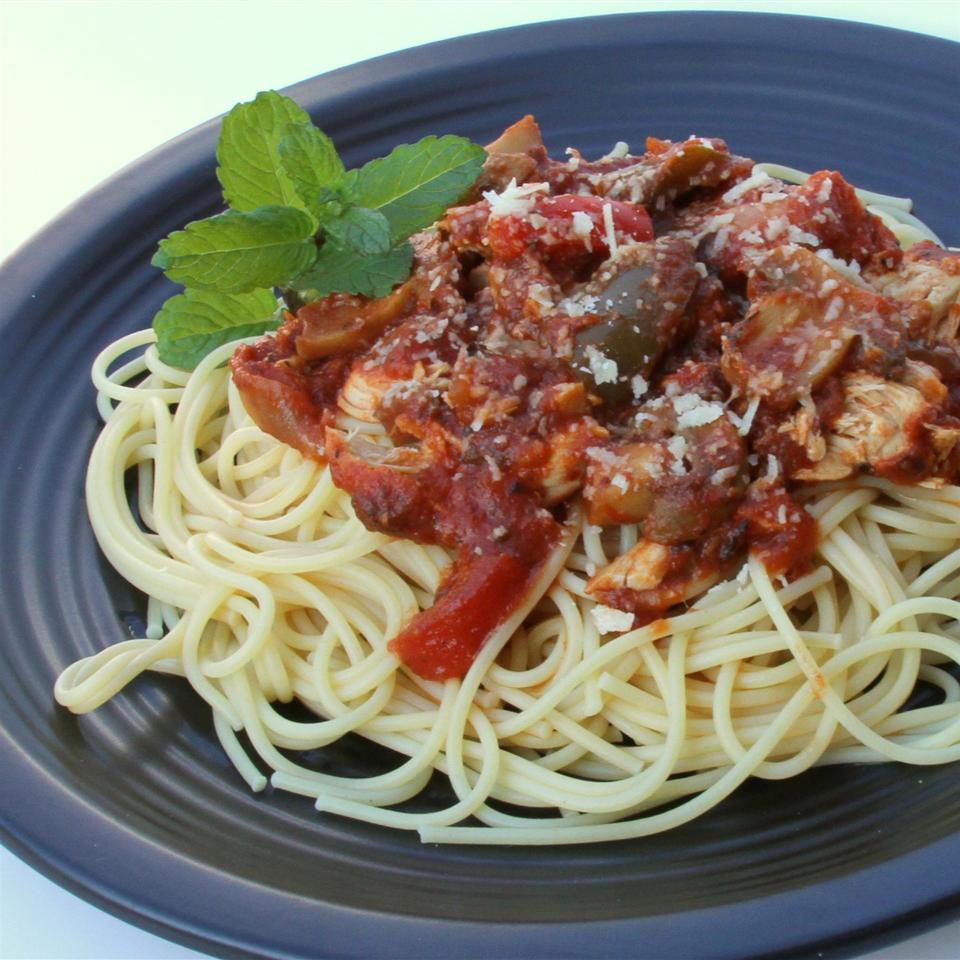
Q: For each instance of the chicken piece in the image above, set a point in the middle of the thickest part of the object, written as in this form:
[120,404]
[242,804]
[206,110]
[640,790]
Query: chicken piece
[925,379]
[563,471]
[487,388]
[519,137]
[522,289]
[642,567]
[787,345]
[362,394]
[931,275]
[407,371]
[948,328]
[823,213]
[883,426]
[676,487]
[514,155]
[807,318]
[944,440]
[650,578]
[541,417]
[803,429]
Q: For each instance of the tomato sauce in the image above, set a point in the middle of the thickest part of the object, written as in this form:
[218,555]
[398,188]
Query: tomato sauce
[670,338]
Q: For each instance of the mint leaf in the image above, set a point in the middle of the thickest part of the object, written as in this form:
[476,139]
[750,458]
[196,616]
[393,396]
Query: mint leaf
[344,271]
[329,204]
[191,324]
[415,183]
[360,230]
[250,171]
[310,160]
[288,192]
[234,252]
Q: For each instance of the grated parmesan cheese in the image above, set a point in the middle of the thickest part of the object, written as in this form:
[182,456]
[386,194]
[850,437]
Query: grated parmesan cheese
[693,411]
[514,201]
[723,475]
[678,448]
[639,386]
[602,455]
[610,620]
[540,294]
[796,235]
[775,226]
[834,309]
[604,369]
[849,270]
[582,224]
[755,181]
[746,422]
[608,226]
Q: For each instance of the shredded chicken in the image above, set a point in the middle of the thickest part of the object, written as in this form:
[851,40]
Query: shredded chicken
[642,567]
[881,426]
[931,275]
[362,393]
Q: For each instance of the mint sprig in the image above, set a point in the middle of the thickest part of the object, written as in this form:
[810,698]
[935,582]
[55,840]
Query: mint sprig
[413,184]
[238,251]
[248,152]
[194,322]
[339,270]
[299,220]
[310,160]
[359,230]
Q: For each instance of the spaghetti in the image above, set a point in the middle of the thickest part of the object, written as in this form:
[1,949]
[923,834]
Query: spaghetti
[265,588]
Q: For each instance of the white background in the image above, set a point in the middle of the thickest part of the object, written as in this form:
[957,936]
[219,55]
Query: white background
[87,87]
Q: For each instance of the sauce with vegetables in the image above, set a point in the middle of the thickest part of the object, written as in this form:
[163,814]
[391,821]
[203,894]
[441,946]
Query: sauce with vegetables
[675,339]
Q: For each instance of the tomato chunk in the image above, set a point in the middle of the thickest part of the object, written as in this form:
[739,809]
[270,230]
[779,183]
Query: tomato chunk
[479,594]
[568,227]
[630,220]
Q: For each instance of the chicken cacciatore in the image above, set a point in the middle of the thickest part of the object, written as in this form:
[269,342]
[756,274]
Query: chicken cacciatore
[675,340]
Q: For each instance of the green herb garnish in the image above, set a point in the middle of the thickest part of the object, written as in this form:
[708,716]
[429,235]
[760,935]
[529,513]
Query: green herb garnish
[300,221]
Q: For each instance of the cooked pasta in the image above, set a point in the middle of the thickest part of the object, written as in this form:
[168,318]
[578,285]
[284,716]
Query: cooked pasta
[597,564]
[268,588]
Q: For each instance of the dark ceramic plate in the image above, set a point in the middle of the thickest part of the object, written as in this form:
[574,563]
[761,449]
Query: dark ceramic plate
[135,807]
